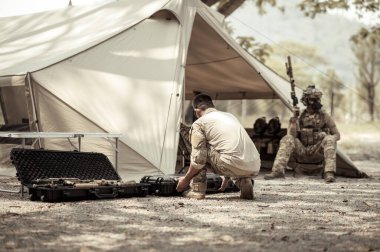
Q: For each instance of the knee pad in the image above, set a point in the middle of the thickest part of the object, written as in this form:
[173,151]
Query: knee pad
[329,141]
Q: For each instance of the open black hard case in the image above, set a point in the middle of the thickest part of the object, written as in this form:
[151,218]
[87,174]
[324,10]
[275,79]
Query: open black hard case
[54,176]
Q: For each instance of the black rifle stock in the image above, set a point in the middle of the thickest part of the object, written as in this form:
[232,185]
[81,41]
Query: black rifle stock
[289,72]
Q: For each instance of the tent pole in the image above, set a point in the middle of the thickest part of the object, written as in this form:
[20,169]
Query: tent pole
[2,105]
[34,111]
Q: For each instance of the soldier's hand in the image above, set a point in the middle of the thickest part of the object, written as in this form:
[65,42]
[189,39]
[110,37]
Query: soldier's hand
[183,184]
[293,120]
[321,135]
[296,111]
[224,184]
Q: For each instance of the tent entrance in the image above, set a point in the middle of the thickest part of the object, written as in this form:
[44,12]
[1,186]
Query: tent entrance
[215,67]
[14,109]
[14,116]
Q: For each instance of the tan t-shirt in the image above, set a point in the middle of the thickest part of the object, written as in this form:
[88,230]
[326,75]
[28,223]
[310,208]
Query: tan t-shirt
[226,135]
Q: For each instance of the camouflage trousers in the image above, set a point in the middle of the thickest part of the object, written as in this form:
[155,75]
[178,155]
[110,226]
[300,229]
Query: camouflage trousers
[213,164]
[323,151]
[184,145]
[217,166]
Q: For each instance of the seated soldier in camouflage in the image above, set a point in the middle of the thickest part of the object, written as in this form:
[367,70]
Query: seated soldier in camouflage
[311,137]
[219,142]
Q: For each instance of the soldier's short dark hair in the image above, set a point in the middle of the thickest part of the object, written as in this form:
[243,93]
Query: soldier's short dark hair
[202,100]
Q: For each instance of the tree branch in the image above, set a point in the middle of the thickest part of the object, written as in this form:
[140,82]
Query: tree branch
[210,2]
[228,7]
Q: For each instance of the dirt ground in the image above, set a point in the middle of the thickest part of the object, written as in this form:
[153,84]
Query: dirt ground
[292,214]
[302,214]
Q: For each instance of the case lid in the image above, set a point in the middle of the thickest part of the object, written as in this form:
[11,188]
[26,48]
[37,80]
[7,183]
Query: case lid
[32,164]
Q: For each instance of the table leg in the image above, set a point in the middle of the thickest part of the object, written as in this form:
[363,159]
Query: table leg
[79,143]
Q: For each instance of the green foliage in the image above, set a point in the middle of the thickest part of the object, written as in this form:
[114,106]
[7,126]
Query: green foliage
[311,8]
[260,51]
[371,36]
[228,27]
[260,5]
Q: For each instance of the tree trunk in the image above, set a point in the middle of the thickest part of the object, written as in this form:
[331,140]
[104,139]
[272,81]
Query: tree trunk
[371,101]
[226,8]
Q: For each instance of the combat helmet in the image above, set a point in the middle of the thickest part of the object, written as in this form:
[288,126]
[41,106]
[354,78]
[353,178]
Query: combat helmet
[311,93]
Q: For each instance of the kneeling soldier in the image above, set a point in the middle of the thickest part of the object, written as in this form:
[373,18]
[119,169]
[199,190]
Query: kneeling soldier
[219,142]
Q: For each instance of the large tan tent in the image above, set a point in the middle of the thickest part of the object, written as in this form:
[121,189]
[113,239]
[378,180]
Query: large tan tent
[126,67]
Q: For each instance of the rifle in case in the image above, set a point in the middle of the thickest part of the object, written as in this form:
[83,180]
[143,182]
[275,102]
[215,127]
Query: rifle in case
[166,185]
[54,176]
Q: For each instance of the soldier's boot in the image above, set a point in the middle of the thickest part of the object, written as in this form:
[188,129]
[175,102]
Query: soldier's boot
[329,177]
[274,175]
[246,188]
[198,186]
[196,191]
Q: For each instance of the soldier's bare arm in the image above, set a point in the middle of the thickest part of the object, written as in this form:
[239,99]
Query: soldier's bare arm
[184,182]
[198,156]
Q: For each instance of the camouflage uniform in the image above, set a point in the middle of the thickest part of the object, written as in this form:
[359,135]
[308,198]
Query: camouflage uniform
[315,142]
[205,157]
